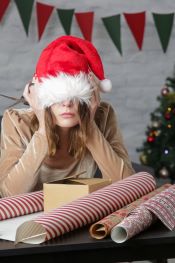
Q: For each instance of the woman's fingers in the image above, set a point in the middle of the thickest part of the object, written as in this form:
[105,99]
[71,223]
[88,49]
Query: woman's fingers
[30,94]
[95,82]
[25,93]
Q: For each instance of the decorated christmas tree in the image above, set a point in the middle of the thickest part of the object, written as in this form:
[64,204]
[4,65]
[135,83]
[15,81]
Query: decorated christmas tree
[158,150]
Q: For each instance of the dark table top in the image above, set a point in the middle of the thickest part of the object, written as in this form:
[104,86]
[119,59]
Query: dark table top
[155,243]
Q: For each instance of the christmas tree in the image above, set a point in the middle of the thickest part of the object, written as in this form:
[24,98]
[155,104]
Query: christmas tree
[158,150]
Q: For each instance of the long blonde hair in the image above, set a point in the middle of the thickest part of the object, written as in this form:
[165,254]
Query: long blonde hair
[77,135]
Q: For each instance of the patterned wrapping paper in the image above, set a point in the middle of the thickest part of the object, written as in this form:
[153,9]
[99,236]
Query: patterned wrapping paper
[139,220]
[102,228]
[85,210]
[20,205]
[161,206]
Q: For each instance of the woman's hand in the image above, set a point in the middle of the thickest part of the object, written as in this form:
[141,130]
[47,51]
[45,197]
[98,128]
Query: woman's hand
[30,94]
[95,99]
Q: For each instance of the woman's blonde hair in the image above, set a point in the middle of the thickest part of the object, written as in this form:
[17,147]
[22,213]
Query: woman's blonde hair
[77,136]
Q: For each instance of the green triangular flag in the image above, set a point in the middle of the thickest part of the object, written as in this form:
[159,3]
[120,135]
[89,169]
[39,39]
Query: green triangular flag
[65,16]
[25,11]
[113,27]
[164,25]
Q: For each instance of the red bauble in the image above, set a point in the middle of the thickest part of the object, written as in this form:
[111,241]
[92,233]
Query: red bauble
[150,139]
[167,116]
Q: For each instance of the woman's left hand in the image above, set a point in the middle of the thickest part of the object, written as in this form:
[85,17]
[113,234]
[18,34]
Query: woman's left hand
[95,99]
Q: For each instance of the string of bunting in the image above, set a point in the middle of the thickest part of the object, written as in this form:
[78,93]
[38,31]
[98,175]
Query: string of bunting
[85,20]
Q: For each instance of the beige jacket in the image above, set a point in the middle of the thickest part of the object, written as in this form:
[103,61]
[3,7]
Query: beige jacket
[22,153]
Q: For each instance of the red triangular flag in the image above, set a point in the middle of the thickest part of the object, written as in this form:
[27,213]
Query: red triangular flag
[3,7]
[43,13]
[85,21]
[136,23]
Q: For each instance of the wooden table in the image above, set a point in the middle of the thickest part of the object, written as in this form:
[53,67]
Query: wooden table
[157,243]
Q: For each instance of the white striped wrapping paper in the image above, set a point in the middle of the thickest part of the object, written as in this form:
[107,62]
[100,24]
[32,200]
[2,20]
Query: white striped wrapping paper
[85,210]
[20,205]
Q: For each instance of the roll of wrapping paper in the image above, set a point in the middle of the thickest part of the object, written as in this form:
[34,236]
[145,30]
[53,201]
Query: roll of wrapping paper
[161,206]
[102,228]
[85,210]
[20,205]
[135,223]
[23,204]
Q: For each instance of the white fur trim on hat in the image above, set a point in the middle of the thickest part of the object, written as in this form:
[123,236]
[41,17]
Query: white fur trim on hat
[54,89]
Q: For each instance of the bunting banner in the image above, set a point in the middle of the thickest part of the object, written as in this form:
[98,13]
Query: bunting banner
[3,7]
[113,27]
[25,11]
[136,23]
[66,16]
[85,22]
[43,14]
[164,25]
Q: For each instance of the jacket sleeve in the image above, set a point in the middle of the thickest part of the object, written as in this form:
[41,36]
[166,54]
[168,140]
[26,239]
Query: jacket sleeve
[108,149]
[19,160]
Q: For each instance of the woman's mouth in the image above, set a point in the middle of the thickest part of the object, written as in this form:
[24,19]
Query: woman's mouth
[67,115]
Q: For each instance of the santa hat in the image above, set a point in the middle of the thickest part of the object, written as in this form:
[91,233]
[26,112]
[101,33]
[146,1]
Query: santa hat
[63,68]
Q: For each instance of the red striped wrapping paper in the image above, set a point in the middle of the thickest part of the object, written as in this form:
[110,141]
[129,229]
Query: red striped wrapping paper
[20,205]
[102,228]
[161,206]
[85,210]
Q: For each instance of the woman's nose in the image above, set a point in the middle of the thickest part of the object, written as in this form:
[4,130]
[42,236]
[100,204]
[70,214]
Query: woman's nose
[67,103]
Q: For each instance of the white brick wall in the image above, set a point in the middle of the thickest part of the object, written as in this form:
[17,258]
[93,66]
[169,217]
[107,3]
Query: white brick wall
[137,76]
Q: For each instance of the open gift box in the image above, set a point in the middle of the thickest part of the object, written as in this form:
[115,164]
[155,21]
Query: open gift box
[59,193]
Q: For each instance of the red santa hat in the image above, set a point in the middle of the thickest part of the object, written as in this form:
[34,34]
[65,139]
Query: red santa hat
[63,68]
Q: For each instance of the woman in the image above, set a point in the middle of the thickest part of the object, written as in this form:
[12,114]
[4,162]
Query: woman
[67,130]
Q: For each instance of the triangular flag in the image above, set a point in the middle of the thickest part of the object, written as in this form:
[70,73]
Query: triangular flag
[136,23]
[164,25]
[3,7]
[65,16]
[85,21]
[43,14]
[25,11]
[113,26]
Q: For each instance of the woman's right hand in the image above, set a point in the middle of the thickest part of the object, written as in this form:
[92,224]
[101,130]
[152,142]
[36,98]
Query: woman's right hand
[30,94]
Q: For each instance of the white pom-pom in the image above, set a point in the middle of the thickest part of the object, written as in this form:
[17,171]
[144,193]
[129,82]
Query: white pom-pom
[105,85]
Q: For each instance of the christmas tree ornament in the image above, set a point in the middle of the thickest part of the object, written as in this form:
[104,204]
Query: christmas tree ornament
[165,91]
[166,151]
[157,133]
[163,172]
[143,158]
[169,109]
[155,124]
[167,116]
[150,139]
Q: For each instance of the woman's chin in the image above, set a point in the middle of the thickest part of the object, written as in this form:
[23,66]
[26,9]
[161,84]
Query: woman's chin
[67,124]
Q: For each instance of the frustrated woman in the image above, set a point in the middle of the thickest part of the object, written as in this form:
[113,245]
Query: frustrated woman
[67,130]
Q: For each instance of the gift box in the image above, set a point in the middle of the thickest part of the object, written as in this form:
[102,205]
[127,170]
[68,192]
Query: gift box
[59,193]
